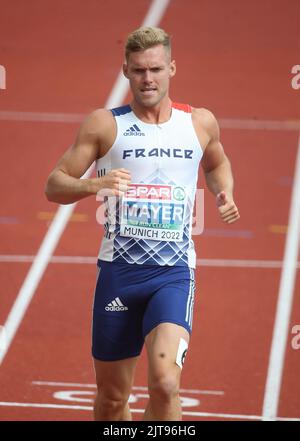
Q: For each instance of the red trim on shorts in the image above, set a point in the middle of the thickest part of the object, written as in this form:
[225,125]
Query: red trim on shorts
[184,107]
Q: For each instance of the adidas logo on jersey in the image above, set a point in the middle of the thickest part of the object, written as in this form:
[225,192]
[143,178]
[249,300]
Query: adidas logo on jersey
[134,131]
[116,305]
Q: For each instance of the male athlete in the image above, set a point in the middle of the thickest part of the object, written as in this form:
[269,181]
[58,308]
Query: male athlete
[147,156]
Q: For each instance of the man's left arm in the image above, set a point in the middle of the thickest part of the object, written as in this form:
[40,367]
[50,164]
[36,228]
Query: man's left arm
[217,171]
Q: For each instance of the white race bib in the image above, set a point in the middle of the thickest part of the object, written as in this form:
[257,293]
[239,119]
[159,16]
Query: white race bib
[151,211]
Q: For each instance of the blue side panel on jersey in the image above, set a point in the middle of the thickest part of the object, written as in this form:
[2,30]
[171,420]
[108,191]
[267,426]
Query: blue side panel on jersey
[118,111]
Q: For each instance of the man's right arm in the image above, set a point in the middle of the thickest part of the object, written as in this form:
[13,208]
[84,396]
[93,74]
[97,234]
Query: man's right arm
[64,185]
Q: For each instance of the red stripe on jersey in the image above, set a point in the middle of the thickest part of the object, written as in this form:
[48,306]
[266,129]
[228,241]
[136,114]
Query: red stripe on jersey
[184,107]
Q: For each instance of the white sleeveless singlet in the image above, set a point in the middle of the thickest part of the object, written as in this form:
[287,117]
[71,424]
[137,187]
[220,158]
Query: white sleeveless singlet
[152,223]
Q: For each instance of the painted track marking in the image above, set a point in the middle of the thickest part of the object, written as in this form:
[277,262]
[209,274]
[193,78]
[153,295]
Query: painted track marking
[143,388]
[92,260]
[285,302]
[185,413]
[75,118]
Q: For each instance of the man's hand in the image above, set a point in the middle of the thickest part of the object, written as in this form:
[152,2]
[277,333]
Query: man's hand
[227,208]
[114,183]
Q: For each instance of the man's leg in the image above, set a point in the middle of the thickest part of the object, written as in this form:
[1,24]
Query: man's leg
[164,374]
[114,382]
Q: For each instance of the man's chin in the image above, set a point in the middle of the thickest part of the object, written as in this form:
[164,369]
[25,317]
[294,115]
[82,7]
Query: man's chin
[150,101]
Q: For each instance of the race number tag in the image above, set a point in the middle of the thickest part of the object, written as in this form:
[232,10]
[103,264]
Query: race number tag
[153,212]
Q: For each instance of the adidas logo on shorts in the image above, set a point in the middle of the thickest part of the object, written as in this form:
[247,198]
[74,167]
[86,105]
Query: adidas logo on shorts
[116,305]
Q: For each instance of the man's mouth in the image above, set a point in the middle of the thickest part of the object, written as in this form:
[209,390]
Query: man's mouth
[148,91]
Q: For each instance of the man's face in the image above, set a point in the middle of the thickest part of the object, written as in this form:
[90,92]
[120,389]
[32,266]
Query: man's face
[149,74]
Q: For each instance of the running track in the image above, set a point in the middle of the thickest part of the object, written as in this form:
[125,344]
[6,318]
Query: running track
[61,62]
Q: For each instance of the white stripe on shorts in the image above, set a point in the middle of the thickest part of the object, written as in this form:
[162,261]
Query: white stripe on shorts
[193,297]
[190,302]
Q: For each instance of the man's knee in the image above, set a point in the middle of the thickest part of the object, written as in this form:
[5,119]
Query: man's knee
[164,387]
[110,403]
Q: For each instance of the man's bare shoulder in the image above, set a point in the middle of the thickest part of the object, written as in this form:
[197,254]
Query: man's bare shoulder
[206,126]
[206,119]
[98,129]
[98,120]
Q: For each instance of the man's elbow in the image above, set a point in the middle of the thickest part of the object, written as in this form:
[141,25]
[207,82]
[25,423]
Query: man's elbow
[50,193]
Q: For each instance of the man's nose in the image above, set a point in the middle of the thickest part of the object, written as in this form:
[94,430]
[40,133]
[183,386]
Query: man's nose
[148,76]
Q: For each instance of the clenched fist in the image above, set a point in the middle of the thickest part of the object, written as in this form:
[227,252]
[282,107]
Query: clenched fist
[114,183]
[228,210]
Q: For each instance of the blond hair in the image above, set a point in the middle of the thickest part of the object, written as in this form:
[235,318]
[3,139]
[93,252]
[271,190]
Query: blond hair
[146,37]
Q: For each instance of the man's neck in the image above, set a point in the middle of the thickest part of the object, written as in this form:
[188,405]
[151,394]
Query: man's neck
[153,115]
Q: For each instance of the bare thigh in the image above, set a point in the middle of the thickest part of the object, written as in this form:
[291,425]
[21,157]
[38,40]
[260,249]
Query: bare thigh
[115,378]
[162,347]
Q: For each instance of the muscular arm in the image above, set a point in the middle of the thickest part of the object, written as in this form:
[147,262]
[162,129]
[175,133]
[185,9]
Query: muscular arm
[64,185]
[217,168]
[215,163]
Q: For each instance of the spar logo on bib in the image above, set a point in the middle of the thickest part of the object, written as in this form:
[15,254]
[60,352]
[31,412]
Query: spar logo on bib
[149,192]
[155,212]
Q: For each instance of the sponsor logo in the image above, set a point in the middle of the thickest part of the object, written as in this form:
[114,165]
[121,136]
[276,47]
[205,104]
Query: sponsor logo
[116,305]
[134,131]
[148,191]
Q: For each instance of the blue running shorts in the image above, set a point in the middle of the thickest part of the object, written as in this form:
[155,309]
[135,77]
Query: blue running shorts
[132,299]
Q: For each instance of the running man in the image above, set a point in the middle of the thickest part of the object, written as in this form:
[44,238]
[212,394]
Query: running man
[147,157]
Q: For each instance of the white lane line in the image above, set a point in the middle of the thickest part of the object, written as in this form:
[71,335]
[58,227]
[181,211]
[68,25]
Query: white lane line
[34,276]
[240,263]
[92,260]
[144,388]
[229,263]
[39,265]
[186,413]
[10,258]
[75,118]
[14,115]
[285,301]
[254,124]
[44,405]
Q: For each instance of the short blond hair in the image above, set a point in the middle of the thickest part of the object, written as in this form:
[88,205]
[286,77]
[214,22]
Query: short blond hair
[146,37]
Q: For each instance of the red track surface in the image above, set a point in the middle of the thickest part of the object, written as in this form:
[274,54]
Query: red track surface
[233,59]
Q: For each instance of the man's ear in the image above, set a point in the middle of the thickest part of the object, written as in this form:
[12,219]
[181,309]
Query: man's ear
[172,68]
[125,70]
